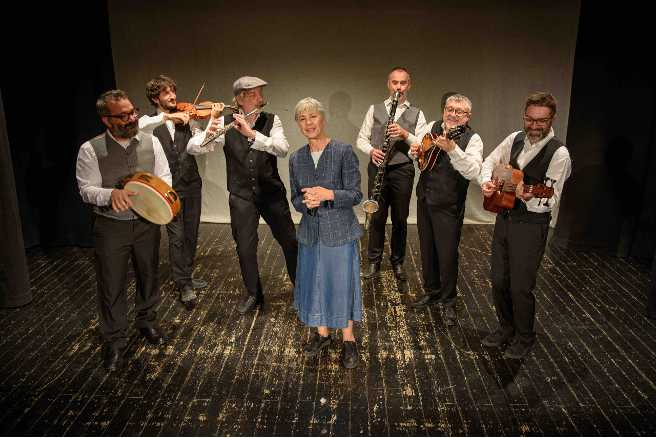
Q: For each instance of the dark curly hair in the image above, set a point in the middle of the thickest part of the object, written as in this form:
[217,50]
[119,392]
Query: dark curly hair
[157,85]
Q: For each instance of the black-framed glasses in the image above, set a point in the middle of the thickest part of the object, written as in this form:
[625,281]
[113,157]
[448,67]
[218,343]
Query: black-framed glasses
[543,122]
[125,117]
[457,111]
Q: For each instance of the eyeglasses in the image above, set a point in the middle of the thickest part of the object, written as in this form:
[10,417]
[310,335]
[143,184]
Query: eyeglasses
[458,112]
[530,120]
[125,117]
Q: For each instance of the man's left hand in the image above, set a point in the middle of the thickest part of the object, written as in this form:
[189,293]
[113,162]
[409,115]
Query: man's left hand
[445,144]
[244,128]
[519,191]
[395,130]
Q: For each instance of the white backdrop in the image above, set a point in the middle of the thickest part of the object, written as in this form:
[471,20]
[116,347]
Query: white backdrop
[340,53]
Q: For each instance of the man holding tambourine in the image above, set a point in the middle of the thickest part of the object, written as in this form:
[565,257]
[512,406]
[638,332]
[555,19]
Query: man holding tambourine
[119,234]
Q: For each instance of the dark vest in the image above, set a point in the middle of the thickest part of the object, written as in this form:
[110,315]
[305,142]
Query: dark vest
[444,186]
[535,171]
[407,120]
[184,170]
[251,173]
[116,162]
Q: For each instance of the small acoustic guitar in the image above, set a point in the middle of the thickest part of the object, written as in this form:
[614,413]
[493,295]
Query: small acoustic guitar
[505,178]
[429,151]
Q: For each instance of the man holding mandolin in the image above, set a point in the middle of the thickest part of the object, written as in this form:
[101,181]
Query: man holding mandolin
[449,156]
[520,232]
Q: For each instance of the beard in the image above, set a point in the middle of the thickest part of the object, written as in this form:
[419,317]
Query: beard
[535,135]
[170,105]
[126,131]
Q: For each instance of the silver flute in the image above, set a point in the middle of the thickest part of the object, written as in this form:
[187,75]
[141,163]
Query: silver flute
[227,127]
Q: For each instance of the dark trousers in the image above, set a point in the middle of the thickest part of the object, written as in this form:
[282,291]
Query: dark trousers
[651,295]
[183,238]
[517,249]
[116,242]
[439,236]
[395,194]
[244,217]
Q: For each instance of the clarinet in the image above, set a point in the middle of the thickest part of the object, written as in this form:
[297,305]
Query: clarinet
[370,206]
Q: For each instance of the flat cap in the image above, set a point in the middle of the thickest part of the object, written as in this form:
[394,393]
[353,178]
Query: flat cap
[246,83]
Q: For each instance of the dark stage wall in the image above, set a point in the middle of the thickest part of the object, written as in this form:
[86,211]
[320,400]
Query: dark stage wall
[340,52]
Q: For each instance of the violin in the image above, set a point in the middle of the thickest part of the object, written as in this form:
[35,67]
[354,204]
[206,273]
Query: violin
[201,110]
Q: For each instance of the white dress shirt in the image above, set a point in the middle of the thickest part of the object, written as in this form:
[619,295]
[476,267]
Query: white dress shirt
[276,144]
[559,168]
[468,162]
[149,123]
[89,179]
[364,136]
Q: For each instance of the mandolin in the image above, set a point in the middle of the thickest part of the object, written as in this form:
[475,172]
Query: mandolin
[429,151]
[505,178]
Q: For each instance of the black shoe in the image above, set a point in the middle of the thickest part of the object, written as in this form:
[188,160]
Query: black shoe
[399,273]
[350,356]
[450,316]
[197,283]
[316,344]
[427,300]
[518,349]
[152,335]
[371,270]
[498,338]
[249,303]
[112,357]
[188,297]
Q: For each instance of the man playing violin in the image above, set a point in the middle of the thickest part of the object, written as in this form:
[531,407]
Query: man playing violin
[520,233]
[251,150]
[172,128]
[400,172]
[441,196]
[102,164]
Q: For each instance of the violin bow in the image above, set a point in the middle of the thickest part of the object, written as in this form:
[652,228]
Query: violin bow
[198,95]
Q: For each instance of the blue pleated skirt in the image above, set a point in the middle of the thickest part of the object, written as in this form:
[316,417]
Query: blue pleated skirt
[327,291]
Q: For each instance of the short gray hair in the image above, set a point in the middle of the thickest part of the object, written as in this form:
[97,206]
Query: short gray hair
[459,98]
[308,104]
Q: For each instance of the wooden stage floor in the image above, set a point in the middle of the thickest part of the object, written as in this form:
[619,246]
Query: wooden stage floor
[592,372]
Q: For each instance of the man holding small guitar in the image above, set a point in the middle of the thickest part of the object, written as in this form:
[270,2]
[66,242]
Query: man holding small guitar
[520,232]
[449,156]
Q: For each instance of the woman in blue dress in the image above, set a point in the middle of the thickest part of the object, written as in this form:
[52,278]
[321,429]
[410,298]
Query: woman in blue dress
[325,186]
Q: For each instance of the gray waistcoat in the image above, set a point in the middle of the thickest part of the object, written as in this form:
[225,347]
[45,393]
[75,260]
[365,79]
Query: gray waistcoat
[116,162]
[407,121]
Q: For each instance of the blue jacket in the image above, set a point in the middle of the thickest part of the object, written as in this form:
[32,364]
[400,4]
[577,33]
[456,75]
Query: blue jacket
[334,222]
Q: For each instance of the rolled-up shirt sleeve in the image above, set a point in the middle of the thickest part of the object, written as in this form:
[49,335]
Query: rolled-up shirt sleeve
[501,154]
[194,145]
[89,179]
[468,162]
[276,143]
